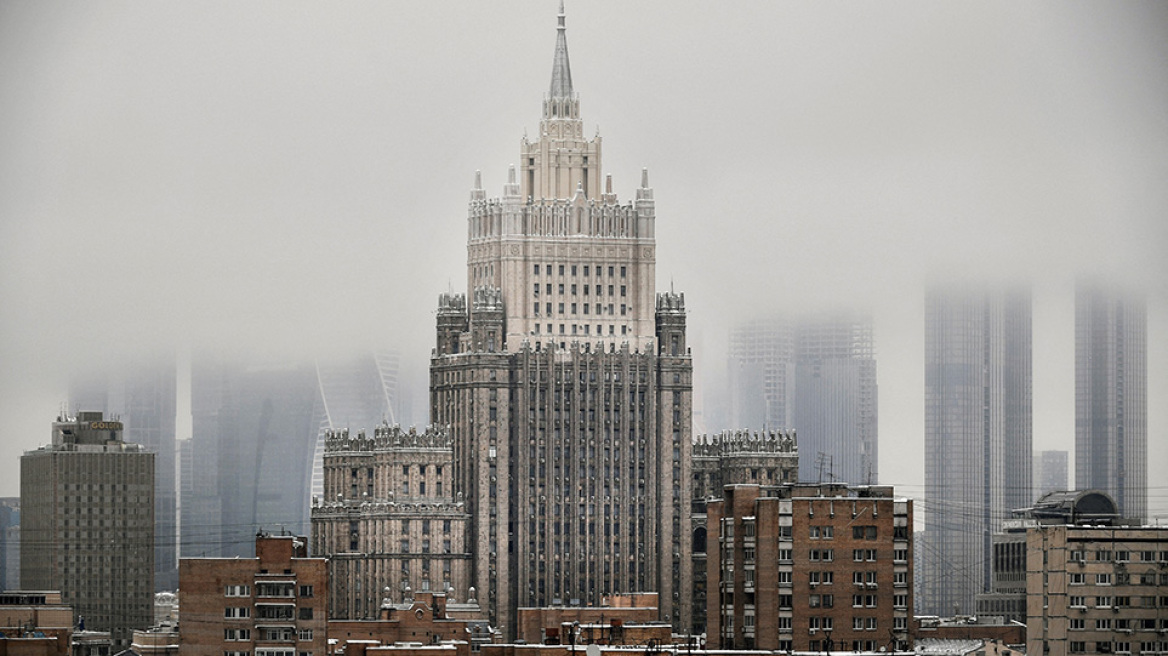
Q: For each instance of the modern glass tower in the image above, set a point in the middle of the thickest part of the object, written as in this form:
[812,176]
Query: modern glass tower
[978,434]
[1111,395]
[815,374]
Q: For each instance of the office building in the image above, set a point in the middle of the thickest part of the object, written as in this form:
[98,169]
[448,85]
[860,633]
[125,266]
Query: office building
[142,395]
[815,373]
[977,436]
[249,455]
[809,568]
[271,605]
[1050,473]
[87,524]
[1096,590]
[1111,395]
[566,383]
[388,521]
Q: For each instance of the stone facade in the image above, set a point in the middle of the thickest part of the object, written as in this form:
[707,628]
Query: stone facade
[809,568]
[566,384]
[87,524]
[270,605]
[389,522]
[741,457]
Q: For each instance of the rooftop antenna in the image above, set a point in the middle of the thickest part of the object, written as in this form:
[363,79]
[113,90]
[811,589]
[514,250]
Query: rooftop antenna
[822,459]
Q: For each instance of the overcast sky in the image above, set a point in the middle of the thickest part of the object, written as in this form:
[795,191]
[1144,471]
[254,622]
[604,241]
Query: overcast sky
[292,177]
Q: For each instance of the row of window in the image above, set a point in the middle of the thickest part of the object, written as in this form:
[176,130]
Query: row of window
[1120,624]
[1122,601]
[828,623]
[575,308]
[273,634]
[547,269]
[579,329]
[573,289]
[268,590]
[1119,578]
[1118,647]
[1119,556]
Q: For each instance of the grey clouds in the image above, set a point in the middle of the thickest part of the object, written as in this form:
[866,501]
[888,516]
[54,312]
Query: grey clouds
[292,177]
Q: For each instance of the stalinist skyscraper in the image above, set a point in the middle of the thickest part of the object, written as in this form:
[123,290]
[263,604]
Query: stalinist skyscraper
[566,383]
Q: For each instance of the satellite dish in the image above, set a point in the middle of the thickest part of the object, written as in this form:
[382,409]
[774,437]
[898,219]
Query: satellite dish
[592,650]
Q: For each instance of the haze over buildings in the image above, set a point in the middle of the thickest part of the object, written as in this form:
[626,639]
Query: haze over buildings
[276,180]
[816,374]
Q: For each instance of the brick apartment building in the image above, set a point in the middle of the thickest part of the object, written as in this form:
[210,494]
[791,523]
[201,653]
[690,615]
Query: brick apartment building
[809,568]
[275,604]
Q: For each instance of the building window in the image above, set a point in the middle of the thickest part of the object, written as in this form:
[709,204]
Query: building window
[304,635]
[863,532]
[305,613]
[238,591]
[232,635]
[236,613]
[306,591]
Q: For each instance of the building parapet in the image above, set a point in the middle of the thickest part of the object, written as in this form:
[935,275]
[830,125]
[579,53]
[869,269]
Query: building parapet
[386,437]
[745,442]
[556,217]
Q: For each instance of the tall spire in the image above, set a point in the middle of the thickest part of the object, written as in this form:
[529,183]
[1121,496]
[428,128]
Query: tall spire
[561,71]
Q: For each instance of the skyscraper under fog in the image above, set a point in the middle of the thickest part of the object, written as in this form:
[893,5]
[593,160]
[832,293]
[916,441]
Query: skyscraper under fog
[815,374]
[249,455]
[1111,395]
[977,435]
[566,383]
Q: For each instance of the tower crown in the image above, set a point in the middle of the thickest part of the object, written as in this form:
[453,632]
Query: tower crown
[561,70]
[561,103]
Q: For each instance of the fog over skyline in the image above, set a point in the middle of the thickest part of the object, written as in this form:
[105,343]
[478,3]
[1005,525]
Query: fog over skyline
[291,179]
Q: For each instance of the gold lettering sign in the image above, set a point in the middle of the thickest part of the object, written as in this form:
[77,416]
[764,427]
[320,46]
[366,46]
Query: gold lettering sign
[105,425]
